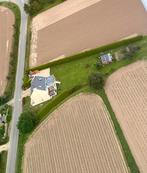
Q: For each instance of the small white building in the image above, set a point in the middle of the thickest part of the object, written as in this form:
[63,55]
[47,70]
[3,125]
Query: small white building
[43,87]
[106,58]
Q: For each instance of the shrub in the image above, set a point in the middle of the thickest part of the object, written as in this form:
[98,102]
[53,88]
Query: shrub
[27,122]
[96,80]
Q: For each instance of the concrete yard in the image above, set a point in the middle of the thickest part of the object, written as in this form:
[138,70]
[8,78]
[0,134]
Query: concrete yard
[78,137]
[7,20]
[58,32]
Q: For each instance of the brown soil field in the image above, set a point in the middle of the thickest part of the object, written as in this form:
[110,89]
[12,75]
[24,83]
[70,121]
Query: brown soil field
[7,20]
[77,138]
[127,93]
[94,25]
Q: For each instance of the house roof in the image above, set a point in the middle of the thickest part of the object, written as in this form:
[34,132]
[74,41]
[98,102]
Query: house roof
[106,57]
[41,83]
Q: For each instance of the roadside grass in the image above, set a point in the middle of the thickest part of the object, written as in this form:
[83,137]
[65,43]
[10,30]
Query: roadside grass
[9,91]
[75,73]
[3,160]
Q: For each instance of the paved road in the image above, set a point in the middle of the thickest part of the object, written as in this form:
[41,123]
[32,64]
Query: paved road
[14,134]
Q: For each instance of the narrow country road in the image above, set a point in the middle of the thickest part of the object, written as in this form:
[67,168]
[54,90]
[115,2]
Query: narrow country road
[14,134]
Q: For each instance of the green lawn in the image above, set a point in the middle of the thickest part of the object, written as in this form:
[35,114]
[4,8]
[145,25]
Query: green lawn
[76,72]
[3,159]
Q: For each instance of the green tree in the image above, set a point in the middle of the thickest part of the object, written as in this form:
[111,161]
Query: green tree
[27,122]
[96,80]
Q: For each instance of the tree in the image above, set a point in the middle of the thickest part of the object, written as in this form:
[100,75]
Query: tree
[27,122]
[96,80]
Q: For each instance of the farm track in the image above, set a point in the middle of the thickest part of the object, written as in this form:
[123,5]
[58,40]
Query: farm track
[127,93]
[78,137]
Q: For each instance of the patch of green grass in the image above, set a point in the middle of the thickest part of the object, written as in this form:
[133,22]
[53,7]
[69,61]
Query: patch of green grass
[3,160]
[20,152]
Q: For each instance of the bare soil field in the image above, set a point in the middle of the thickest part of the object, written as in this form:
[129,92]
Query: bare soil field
[77,138]
[59,32]
[127,92]
[7,20]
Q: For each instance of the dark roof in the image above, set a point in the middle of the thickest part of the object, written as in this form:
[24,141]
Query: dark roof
[41,83]
[106,57]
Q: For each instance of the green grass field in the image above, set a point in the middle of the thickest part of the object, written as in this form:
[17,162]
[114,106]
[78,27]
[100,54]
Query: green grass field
[3,159]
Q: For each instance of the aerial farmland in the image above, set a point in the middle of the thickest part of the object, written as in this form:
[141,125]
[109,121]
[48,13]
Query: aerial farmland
[72,27]
[127,92]
[6,29]
[77,137]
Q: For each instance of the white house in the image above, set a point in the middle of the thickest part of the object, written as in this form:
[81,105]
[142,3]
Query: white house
[43,87]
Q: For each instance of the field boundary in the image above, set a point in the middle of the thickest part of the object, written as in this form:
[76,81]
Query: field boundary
[9,90]
[89,52]
[124,145]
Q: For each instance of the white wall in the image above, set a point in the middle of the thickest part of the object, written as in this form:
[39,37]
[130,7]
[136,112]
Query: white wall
[145,4]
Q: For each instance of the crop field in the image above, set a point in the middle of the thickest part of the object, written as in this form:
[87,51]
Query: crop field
[7,20]
[127,92]
[77,137]
[73,27]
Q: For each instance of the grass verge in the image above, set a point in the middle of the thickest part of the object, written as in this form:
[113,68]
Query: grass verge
[3,160]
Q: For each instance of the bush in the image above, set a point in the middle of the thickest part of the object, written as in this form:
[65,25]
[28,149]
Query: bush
[35,6]
[96,81]
[27,122]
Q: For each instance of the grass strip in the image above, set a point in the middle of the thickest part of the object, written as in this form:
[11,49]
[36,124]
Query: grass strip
[3,159]
[127,152]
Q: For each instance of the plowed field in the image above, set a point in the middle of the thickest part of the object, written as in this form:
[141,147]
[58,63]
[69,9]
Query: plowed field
[127,93]
[77,138]
[6,35]
[76,26]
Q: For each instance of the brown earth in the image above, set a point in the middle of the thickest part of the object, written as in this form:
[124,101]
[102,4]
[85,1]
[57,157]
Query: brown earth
[77,138]
[127,93]
[7,20]
[99,24]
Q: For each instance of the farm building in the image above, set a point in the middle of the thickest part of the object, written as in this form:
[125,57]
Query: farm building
[106,58]
[43,87]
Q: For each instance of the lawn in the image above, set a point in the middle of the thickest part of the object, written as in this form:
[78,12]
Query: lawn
[3,158]
[76,72]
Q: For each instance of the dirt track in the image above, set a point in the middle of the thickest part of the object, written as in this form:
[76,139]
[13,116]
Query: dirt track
[6,34]
[127,93]
[77,138]
[101,23]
